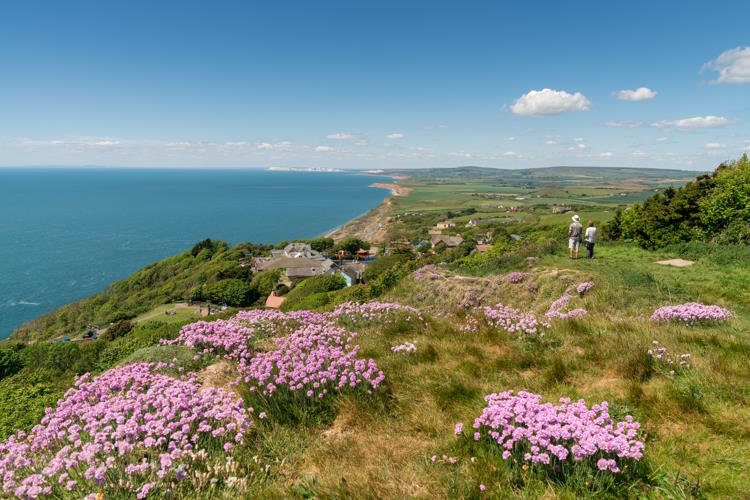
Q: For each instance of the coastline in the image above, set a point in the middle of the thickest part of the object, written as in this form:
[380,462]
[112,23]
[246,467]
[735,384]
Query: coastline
[371,226]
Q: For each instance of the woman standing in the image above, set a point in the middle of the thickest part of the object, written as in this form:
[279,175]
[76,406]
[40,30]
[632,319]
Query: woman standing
[590,239]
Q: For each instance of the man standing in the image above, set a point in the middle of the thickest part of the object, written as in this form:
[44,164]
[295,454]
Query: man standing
[574,235]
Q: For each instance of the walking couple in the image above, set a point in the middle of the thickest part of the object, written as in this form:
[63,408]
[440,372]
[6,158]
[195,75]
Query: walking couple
[574,237]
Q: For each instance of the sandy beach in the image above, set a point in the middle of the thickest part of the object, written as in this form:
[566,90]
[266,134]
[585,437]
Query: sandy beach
[372,226]
[396,189]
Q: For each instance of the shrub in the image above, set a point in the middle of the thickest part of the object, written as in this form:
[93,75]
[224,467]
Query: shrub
[10,362]
[119,329]
[310,286]
[233,292]
[383,264]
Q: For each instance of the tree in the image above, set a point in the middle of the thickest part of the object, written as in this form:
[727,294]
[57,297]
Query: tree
[321,244]
[351,245]
[202,245]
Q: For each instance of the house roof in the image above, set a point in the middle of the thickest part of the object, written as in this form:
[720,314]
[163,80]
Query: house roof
[484,248]
[450,241]
[290,262]
[274,301]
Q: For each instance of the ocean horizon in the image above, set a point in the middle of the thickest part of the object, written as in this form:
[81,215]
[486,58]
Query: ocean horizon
[67,233]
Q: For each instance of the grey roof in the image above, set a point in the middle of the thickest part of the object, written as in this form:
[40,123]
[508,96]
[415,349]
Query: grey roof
[450,241]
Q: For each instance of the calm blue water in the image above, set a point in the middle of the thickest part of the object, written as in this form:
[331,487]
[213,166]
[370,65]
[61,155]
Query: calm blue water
[66,234]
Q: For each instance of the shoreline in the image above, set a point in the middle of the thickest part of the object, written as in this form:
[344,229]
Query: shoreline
[372,226]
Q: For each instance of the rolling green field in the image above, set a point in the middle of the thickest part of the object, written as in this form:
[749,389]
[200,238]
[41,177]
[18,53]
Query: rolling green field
[485,189]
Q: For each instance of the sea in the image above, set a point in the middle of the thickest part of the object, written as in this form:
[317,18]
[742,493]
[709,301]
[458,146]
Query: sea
[66,234]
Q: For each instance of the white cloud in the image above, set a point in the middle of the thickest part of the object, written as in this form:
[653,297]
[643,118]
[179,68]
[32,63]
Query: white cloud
[510,153]
[550,142]
[511,138]
[637,95]
[395,135]
[732,66]
[581,146]
[694,122]
[323,149]
[715,145]
[606,154]
[623,124]
[578,139]
[341,136]
[279,146]
[639,153]
[549,102]
[661,139]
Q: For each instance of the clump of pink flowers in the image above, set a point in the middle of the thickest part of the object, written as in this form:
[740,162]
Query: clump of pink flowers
[382,312]
[312,360]
[149,426]
[514,320]
[584,287]
[426,271]
[407,347]
[557,308]
[471,325]
[516,277]
[546,433]
[661,354]
[691,313]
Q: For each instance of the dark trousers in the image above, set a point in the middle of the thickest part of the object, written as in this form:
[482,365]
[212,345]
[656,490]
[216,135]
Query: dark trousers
[589,250]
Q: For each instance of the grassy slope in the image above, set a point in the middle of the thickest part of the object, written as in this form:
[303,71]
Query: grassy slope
[162,282]
[698,424]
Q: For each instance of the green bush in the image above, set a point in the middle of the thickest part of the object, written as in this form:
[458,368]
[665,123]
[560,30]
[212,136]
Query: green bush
[10,361]
[310,286]
[25,395]
[233,292]
[119,329]
[264,282]
[382,264]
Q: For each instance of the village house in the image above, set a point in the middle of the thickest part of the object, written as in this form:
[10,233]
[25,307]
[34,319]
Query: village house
[484,248]
[298,261]
[445,225]
[450,241]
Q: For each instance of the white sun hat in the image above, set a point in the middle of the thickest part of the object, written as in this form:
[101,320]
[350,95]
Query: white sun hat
[576,218]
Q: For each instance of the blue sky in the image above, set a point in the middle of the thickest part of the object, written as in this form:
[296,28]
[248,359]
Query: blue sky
[374,85]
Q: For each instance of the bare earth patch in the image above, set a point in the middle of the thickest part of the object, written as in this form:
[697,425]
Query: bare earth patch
[676,262]
[217,375]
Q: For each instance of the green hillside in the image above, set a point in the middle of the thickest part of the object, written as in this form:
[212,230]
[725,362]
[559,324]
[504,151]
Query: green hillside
[385,389]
